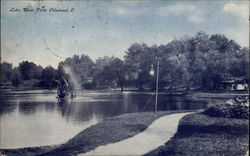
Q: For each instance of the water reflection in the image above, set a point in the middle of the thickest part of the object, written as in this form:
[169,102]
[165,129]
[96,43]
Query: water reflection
[34,118]
[7,107]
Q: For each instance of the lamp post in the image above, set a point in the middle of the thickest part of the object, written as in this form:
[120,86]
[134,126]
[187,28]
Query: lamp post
[157,82]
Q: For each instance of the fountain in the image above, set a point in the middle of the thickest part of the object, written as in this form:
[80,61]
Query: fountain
[68,85]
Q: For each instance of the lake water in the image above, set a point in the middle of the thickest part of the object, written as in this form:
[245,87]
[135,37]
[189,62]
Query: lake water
[37,118]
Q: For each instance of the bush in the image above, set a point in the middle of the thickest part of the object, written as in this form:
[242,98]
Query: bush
[235,108]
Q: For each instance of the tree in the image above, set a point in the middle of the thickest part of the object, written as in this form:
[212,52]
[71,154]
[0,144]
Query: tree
[139,59]
[110,70]
[172,72]
[16,77]
[6,71]
[239,64]
[30,70]
[116,68]
[101,71]
[49,74]
[222,43]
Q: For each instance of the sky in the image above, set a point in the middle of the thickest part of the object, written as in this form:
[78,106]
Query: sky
[99,28]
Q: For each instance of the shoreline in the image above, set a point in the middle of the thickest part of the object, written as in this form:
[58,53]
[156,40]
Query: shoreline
[191,93]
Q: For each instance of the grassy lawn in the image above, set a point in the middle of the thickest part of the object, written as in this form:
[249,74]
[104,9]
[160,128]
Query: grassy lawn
[199,134]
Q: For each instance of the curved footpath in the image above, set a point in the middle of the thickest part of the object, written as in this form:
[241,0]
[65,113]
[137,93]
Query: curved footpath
[159,132]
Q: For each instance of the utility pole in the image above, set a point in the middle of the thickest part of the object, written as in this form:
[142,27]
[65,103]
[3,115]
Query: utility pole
[156,87]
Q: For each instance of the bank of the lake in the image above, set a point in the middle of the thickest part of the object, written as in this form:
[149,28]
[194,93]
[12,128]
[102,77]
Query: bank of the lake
[222,95]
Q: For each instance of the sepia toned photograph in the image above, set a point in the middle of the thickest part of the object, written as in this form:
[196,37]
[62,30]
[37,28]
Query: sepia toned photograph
[124,77]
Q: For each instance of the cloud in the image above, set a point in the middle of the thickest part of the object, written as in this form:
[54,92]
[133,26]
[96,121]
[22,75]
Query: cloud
[175,9]
[191,12]
[241,33]
[195,18]
[241,36]
[240,10]
[131,3]
[123,11]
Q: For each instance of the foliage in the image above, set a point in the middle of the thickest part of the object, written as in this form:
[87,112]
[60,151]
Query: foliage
[110,70]
[49,74]
[236,108]
[16,77]
[139,58]
[101,76]
[200,61]
[30,70]
[6,71]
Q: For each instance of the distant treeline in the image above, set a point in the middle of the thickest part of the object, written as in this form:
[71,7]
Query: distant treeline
[200,61]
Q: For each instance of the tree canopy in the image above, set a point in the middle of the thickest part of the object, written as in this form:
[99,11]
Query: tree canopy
[199,61]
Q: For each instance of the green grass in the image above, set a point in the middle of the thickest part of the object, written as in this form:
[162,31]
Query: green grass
[199,134]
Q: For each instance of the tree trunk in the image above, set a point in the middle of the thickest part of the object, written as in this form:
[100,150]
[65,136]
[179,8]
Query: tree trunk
[188,86]
[121,87]
[120,82]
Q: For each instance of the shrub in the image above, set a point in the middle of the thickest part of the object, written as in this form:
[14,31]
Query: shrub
[235,108]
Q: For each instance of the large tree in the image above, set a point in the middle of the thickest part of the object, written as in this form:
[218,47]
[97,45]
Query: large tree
[30,70]
[139,59]
[48,77]
[101,74]
[110,70]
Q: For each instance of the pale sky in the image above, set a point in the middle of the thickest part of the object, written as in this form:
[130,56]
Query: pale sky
[98,28]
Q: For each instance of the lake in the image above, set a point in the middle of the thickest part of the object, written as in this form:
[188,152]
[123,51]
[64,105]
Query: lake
[37,118]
